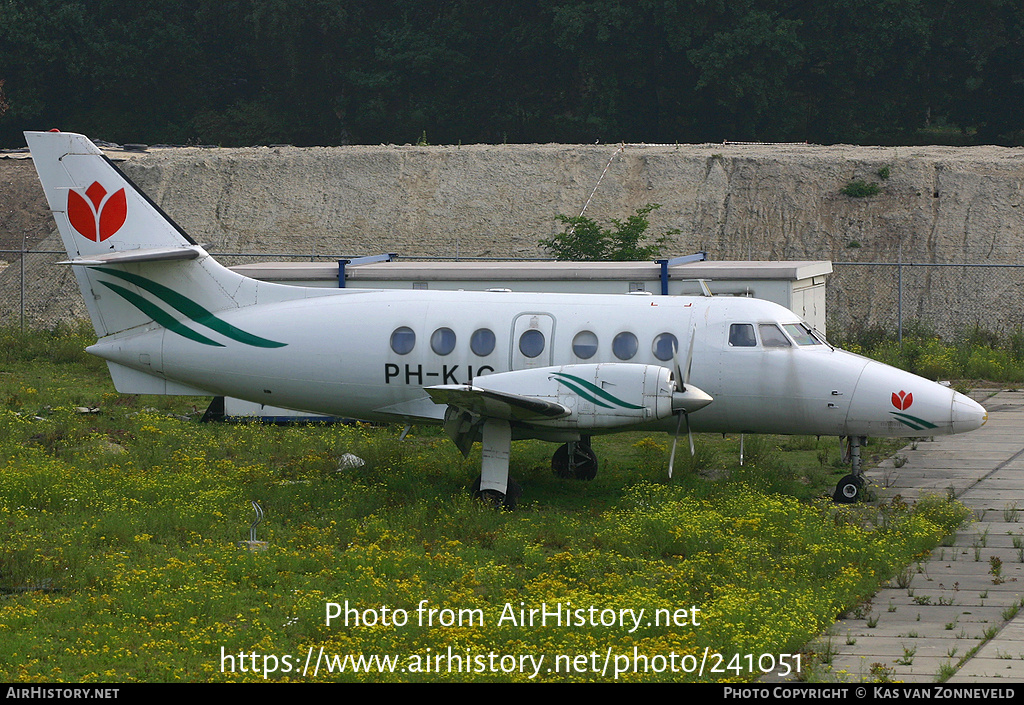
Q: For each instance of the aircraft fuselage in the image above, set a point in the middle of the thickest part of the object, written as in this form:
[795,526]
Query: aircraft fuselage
[371,354]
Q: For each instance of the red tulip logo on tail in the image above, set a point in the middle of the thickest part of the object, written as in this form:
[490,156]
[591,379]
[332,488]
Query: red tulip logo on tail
[902,400]
[101,215]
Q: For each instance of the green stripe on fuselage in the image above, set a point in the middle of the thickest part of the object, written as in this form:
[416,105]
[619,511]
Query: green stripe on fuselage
[913,421]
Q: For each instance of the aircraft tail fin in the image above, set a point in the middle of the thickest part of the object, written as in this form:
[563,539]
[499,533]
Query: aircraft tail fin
[135,266]
[97,208]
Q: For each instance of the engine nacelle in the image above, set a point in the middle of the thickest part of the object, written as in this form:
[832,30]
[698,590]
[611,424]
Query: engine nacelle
[605,395]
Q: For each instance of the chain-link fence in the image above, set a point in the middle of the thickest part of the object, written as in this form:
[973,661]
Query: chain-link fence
[945,299]
[894,297]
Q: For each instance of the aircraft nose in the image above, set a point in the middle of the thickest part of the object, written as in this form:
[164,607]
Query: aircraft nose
[967,414]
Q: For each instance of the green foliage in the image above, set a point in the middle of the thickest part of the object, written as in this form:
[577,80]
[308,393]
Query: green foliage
[238,72]
[61,343]
[861,189]
[975,354]
[583,240]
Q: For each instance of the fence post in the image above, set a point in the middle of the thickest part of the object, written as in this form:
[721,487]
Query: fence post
[24,246]
[899,295]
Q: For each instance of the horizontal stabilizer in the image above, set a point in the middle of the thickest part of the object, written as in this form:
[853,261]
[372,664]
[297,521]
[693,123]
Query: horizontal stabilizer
[495,405]
[156,254]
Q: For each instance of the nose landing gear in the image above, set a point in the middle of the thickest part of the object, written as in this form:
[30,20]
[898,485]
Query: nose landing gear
[850,489]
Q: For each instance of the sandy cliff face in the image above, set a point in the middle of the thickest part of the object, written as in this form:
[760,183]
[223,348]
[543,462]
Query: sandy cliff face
[937,205]
[754,201]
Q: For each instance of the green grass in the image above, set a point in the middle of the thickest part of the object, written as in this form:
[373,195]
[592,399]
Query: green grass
[120,557]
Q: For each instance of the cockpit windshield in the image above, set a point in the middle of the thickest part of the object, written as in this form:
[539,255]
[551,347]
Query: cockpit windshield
[801,334]
[772,337]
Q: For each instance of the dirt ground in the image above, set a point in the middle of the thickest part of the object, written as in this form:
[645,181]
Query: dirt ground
[24,217]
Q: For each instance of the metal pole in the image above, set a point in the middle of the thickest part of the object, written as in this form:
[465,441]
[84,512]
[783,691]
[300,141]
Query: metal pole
[24,247]
[899,294]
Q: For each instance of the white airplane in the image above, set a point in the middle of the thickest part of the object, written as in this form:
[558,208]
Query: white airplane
[489,366]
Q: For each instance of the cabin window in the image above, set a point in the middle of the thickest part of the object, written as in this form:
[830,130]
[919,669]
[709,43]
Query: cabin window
[403,340]
[801,334]
[664,346]
[531,343]
[442,341]
[584,345]
[741,335]
[625,345]
[482,342]
[772,337]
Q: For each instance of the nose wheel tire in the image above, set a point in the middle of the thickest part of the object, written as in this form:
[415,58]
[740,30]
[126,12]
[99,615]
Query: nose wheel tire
[580,464]
[849,490]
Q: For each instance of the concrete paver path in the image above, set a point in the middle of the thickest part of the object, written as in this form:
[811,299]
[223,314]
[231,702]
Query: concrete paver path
[957,615]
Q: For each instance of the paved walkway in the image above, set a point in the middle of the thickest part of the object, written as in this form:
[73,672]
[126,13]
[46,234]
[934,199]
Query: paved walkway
[956,615]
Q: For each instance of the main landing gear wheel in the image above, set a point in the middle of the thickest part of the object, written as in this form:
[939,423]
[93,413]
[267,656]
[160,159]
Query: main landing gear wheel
[575,461]
[493,498]
[849,490]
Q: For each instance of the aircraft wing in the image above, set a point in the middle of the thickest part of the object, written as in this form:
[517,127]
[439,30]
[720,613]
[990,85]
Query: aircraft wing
[496,405]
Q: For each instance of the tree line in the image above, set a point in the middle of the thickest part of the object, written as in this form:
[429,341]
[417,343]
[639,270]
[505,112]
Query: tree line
[240,72]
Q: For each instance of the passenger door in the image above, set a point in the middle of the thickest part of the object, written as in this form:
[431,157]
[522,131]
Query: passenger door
[532,343]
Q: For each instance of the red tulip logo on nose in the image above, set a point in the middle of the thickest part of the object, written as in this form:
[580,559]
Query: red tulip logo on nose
[902,400]
[99,217]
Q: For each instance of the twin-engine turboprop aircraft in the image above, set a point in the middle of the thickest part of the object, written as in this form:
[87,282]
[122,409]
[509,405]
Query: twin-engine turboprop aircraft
[489,366]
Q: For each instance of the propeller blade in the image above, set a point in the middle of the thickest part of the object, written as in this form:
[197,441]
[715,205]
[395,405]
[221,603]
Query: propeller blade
[681,380]
[685,399]
[690,434]
[689,359]
[677,372]
[675,439]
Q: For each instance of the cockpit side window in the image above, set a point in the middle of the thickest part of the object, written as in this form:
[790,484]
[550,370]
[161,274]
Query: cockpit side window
[741,335]
[772,337]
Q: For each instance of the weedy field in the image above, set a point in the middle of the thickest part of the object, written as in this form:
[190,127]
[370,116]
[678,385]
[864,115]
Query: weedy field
[120,557]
